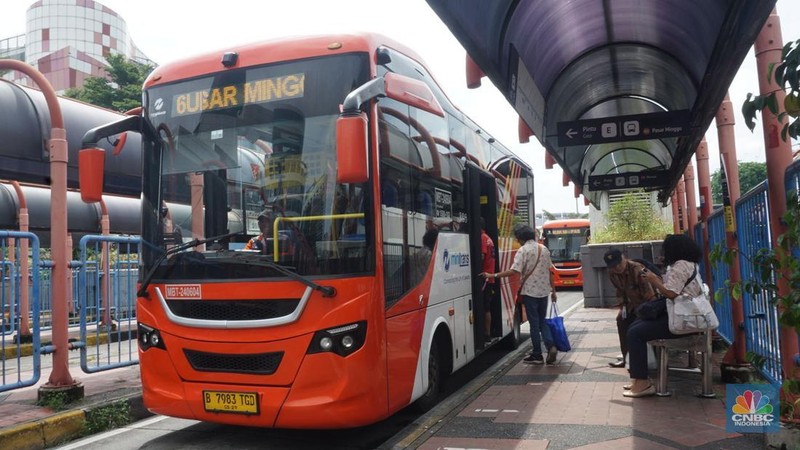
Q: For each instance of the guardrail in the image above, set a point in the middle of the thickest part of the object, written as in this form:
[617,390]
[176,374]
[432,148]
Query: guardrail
[15,362]
[108,302]
[762,332]
[719,274]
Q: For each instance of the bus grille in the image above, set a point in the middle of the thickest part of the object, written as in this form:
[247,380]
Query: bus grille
[253,364]
[232,309]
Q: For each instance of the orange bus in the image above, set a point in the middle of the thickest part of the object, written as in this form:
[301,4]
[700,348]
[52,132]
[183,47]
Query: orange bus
[343,317]
[564,239]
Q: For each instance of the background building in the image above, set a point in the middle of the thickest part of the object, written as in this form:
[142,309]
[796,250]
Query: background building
[68,40]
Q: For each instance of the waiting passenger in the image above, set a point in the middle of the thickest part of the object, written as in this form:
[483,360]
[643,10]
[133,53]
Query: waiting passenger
[681,255]
[632,291]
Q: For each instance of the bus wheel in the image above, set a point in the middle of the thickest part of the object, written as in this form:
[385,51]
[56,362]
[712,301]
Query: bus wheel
[435,378]
[512,340]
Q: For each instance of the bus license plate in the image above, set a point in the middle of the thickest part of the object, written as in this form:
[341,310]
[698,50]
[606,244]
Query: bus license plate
[231,402]
[569,282]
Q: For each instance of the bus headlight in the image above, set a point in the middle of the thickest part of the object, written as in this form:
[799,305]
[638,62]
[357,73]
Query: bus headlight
[149,338]
[342,340]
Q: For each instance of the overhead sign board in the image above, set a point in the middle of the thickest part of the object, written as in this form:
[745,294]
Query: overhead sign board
[624,128]
[631,180]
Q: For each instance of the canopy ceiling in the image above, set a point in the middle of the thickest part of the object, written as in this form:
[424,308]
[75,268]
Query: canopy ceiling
[611,86]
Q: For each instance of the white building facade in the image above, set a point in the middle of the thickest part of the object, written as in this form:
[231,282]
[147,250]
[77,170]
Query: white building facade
[68,40]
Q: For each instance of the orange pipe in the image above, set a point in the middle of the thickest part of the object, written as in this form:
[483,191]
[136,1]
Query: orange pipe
[57,145]
[24,298]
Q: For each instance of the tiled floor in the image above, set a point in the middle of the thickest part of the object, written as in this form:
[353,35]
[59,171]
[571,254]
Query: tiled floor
[578,403]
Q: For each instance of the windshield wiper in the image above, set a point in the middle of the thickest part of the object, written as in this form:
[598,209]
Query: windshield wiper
[261,260]
[142,292]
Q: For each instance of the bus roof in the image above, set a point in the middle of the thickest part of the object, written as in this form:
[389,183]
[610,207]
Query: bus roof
[300,47]
[276,50]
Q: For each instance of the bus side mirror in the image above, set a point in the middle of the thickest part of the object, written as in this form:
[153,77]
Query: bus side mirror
[91,162]
[351,148]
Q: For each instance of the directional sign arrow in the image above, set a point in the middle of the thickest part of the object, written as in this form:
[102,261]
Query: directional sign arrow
[571,133]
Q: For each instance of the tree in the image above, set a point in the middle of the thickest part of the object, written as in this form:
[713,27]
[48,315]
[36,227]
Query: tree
[750,175]
[786,75]
[121,91]
[631,219]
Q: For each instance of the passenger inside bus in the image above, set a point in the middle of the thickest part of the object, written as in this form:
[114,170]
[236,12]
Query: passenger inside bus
[422,258]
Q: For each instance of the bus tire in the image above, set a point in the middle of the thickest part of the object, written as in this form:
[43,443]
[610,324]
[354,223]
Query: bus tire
[513,339]
[436,376]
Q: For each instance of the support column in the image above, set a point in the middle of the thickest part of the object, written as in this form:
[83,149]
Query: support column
[768,47]
[691,202]
[681,197]
[704,187]
[676,228]
[730,171]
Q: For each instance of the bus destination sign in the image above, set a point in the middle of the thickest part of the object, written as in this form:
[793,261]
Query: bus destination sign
[222,97]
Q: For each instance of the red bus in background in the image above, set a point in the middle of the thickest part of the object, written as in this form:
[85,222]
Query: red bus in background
[564,239]
[355,308]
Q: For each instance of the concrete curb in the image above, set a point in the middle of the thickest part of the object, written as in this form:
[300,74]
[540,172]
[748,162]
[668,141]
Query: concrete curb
[64,426]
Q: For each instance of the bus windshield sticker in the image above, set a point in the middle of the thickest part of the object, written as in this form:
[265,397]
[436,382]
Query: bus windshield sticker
[444,204]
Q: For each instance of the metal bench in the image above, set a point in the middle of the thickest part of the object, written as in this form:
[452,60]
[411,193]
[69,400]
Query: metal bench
[694,343]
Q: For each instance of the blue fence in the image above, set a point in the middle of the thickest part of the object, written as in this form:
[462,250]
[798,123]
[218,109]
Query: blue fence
[107,293]
[21,363]
[762,332]
[719,274]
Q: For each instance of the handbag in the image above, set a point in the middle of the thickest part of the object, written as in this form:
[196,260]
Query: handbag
[689,314]
[556,325]
[522,282]
[652,309]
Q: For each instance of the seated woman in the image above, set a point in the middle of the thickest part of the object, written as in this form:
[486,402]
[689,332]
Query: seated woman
[681,255]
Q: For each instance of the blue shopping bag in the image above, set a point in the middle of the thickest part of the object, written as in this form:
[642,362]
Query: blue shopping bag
[556,324]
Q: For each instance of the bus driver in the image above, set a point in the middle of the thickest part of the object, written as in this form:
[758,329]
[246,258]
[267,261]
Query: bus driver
[259,242]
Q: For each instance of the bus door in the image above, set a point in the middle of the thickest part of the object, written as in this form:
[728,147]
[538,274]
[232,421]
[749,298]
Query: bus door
[480,194]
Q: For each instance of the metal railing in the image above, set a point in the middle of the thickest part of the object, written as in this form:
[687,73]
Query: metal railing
[719,274]
[762,333]
[107,299]
[21,362]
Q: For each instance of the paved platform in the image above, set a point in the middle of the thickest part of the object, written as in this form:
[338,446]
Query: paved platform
[576,403]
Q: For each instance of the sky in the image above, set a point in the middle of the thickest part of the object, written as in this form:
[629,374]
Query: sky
[166,30]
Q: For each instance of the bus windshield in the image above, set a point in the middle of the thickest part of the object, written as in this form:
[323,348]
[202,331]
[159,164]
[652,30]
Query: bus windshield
[250,154]
[565,243]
